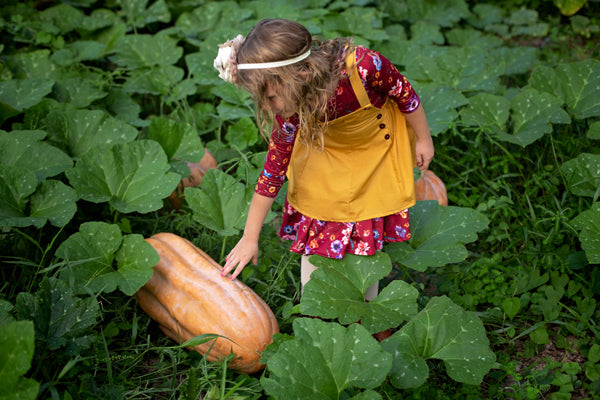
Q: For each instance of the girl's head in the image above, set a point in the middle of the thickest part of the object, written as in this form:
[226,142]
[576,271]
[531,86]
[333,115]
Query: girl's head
[303,87]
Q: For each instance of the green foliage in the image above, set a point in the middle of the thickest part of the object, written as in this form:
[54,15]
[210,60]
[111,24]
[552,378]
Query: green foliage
[102,103]
[324,360]
[444,331]
[16,353]
[221,202]
[90,254]
[438,235]
[61,319]
[131,176]
[337,289]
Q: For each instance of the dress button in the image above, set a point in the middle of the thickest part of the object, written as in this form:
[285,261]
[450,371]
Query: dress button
[379,116]
[387,136]
[382,126]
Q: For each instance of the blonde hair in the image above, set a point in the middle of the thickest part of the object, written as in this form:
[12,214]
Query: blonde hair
[307,84]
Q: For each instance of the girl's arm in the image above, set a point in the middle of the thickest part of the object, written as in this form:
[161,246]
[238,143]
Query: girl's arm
[424,149]
[246,249]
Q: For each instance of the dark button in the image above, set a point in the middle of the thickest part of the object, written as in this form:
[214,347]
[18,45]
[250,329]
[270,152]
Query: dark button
[387,136]
[379,116]
[382,126]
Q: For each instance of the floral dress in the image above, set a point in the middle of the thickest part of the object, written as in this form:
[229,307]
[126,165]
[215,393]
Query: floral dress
[329,239]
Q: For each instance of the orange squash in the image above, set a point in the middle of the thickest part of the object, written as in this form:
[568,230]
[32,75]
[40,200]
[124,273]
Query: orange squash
[430,187]
[188,297]
[197,171]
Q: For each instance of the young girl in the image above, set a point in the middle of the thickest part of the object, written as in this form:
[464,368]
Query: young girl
[339,115]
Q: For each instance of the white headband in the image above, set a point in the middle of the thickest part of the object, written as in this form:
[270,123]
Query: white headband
[274,64]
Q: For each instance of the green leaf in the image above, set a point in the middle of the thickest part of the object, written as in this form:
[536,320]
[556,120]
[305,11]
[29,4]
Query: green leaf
[53,201]
[486,111]
[594,132]
[26,150]
[77,51]
[61,319]
[443,331]
[178,139]
[580,83]
[156,80]
[441,103]
[79,91]
[220,203]
[438,235]
[533,112]
[583,175]
[139,15]
[323,360]
[90,255]
[242,134]
[588,223]
[21,94]
[77,131]
[16,352]
[143,50]
[569,7]
[337,289]
[511,306]
[132,177]
[65,17]
[16,186]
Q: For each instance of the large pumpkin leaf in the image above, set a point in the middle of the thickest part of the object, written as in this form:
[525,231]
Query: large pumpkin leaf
[77,131]
[91,253]
[533,114]
[588,223]
[444,331]
[17,95]
[579,86]
[157,80]
[16,353]
[132,177]
[25,150]
[79,91]
[143,50]
[438,235]
[486,111]
[441,103]
[53,201]
[60,318]
[220,203]
[337,289]
[324,360]
[16,185]
[178,139]
[583,175]
[139,15]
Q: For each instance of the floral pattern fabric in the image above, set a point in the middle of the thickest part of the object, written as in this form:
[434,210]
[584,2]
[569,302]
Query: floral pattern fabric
[381,80]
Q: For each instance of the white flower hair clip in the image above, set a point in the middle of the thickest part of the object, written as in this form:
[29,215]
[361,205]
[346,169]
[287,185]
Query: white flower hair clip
[227,65]
[225,61]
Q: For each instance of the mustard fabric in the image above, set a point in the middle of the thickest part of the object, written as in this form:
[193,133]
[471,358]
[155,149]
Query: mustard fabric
[365,169]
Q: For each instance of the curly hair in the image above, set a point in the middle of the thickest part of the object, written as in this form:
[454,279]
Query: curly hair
[307,85]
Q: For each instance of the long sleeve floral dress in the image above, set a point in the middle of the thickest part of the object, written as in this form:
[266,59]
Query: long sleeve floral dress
[329,239]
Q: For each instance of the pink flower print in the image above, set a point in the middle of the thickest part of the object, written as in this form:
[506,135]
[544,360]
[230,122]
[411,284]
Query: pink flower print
[396,90]
[366,232]
[361,248]
[363,73]
[346,234]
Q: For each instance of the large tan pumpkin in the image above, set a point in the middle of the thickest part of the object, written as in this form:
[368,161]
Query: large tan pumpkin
[197,171]
[430,187]
[188,297]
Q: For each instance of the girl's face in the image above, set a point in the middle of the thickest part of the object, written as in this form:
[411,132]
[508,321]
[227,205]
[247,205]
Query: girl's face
[277,103]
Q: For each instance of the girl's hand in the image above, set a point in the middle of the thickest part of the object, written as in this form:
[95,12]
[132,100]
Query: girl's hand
[243,252]
[424,151]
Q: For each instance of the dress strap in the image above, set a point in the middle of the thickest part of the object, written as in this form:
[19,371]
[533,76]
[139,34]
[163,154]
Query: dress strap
[357,86]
